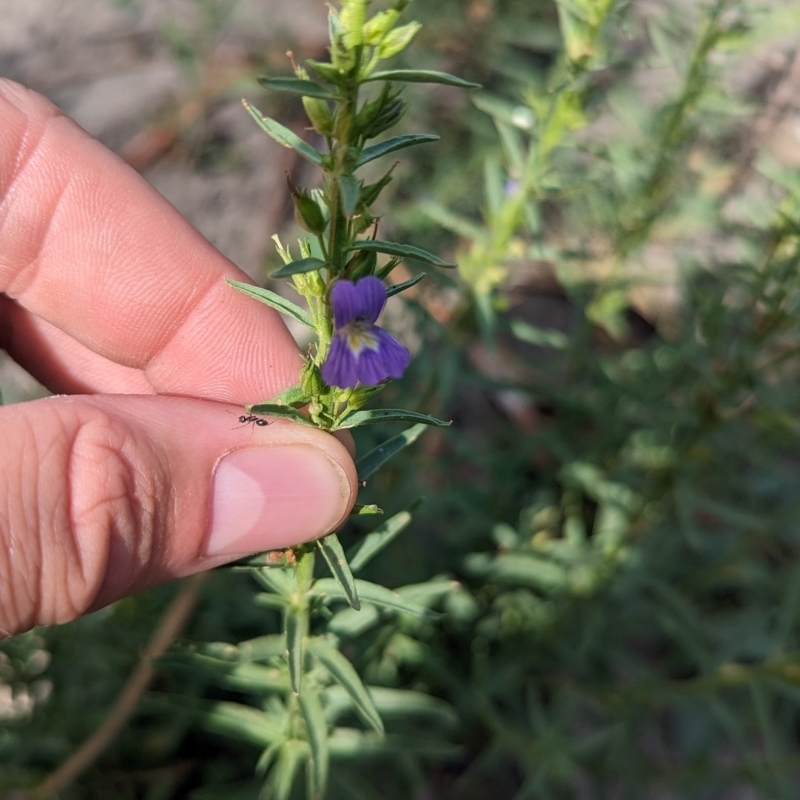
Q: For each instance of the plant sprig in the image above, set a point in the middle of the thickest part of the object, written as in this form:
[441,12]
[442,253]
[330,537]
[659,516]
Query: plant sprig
[339,215]
[340,271]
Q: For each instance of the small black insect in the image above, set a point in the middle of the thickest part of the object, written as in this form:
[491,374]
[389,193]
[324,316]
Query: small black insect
[252,419]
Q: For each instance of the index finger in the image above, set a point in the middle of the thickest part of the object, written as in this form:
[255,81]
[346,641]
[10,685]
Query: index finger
[89,246]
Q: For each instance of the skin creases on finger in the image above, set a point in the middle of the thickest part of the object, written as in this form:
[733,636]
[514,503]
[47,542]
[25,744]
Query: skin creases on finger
[101,497]
[58,361]
[87,245]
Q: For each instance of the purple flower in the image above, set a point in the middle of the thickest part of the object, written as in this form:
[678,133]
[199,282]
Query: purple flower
[360,350]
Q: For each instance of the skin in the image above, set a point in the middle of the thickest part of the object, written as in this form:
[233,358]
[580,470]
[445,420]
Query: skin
[114,302]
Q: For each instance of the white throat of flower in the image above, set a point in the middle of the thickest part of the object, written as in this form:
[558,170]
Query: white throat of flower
[359,335]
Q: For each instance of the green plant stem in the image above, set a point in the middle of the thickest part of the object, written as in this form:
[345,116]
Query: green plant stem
[304,571]
[300,608]
[337,238]
[476,267]
[340,234]
[638,218]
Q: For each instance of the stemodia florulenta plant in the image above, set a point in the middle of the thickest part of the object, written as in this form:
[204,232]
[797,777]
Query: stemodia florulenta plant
[340,270]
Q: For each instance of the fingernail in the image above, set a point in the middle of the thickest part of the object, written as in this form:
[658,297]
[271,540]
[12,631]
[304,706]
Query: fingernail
[265,498]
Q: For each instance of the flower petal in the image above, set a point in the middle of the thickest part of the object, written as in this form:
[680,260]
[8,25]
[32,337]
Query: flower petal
[396,358]
[371,369]
[341,365]
[344,300]
[388,361]
[357,301]
[371,298]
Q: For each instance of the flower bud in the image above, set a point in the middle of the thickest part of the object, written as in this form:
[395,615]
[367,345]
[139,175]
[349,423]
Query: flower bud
[342,58]
[343,123]
[369,194]
[325,71]
[362,395]
[376,28]
[361,264]
[320,115]
[315,285]
[379,115]
[398,39]
[372,108]
[319,416]
[307,213]
[362,221]
[353,16]
[311,381]
[390,116]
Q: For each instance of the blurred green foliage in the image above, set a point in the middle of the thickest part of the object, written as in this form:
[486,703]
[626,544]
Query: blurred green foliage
[611,527]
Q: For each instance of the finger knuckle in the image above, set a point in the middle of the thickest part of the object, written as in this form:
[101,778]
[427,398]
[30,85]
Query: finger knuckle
[118,496]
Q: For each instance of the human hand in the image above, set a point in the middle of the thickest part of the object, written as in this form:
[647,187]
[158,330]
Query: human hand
[109,295]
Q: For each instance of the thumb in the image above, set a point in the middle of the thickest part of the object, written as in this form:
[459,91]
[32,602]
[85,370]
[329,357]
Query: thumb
[101,496]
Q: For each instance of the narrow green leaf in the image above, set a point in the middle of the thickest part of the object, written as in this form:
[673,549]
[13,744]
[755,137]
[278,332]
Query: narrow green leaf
[366,510]
[421,76]
[394,703]
[391,145]
[377,540]
[279,581]
[371,593]
[297,86]
[540,336]
[271,601]
[295,639]
[344,672]
[459,225]
[349,743]
[253,678]
[235,720]
[513,144]
[222,651]
[326,71]
[350,623]
[405,703]
[370,463]
[350,189]
[373,416]
[293,753]
[427,593]
[293,396]
[265,761]
[317,730]
[274,301]
[400,287]
[262,648]
[401,250]
[520,569]
[274,410]
[505,112]
[296,267]
[370,193]
[332,550]
[285,137]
